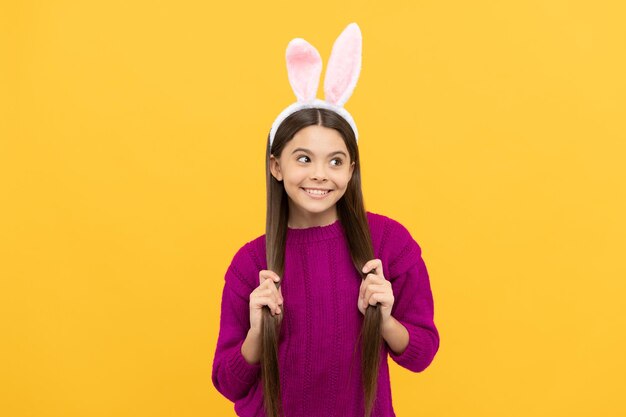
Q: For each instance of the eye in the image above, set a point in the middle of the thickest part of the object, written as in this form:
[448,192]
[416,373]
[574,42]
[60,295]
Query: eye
[339,160]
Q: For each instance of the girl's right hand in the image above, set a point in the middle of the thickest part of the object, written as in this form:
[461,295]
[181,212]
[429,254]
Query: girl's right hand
[266,294]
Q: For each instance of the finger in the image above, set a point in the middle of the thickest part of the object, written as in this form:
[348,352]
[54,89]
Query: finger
[374,279]
[383,298]
[367,266]
[275,291]
[374,266]
[271,287]
[259,302]
[379,297]
[367,281]
[268,274]
[374,289]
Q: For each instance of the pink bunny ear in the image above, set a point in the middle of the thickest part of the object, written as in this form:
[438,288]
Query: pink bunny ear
[304,66]
[344,66]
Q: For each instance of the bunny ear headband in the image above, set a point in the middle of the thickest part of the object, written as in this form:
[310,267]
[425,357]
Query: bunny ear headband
[304,67]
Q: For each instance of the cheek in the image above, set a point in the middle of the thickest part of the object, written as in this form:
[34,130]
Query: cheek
[297,178]
[342,179]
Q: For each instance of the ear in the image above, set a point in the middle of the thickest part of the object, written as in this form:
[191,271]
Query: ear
[275,168]
[304,66]
[344,66]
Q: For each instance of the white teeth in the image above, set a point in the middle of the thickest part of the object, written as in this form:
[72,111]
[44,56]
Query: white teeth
[316,192]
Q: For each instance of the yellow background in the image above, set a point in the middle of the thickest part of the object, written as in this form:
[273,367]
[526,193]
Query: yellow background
[132,144]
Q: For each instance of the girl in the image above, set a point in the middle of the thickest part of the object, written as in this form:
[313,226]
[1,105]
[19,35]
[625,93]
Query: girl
[329,284]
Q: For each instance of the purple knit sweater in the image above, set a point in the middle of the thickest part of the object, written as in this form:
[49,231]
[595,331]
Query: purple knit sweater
[320,288]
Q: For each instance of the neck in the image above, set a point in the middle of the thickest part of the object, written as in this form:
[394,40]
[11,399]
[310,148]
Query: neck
[300,219]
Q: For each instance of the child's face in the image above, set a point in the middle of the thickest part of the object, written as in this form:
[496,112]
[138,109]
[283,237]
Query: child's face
[319,166]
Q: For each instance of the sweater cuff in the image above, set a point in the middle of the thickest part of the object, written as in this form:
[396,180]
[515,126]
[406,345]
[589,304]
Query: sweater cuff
[241,369]
[417,355]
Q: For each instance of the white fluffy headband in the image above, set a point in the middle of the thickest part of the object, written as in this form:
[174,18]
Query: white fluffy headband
[304,66]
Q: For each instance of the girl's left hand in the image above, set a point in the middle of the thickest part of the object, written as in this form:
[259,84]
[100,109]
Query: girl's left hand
[375,289]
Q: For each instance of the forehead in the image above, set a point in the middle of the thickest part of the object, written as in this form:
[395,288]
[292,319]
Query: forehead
[318,139]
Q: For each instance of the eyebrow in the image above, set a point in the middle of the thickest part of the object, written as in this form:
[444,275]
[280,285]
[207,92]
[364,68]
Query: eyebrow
[309,151]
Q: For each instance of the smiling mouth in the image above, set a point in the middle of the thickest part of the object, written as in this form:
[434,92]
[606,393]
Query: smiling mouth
[316,192]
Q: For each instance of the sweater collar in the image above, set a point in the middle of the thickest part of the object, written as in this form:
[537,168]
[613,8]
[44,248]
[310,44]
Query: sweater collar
[315,233]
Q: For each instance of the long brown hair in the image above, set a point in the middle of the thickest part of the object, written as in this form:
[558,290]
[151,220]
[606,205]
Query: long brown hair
[353,218]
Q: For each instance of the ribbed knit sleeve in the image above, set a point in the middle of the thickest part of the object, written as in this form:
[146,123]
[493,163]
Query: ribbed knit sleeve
[232,375]
[413,300]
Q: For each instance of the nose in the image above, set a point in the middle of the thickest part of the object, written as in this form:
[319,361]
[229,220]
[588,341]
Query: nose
[319,173]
